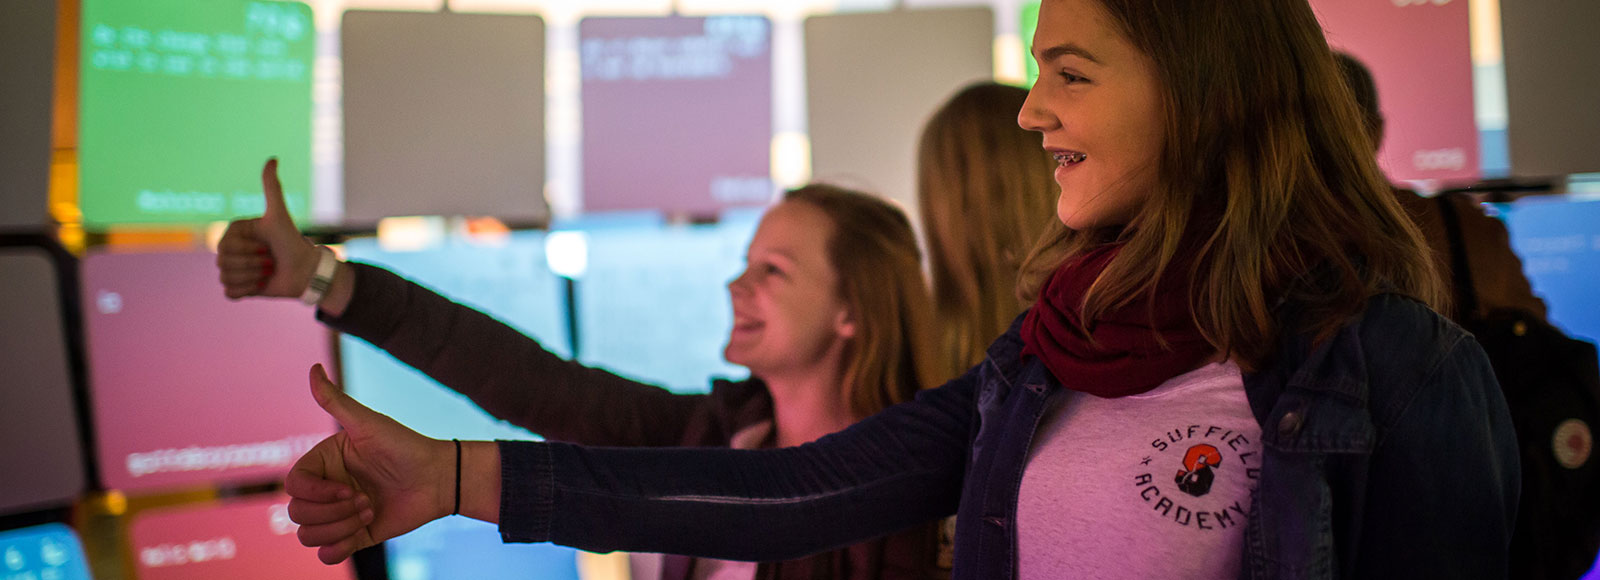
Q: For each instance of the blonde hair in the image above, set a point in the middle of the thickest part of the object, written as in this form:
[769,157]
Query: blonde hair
[986,194]
[1267,177]
[875,255]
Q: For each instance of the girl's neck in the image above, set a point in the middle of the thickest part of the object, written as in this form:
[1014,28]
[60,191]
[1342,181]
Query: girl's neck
[807,406]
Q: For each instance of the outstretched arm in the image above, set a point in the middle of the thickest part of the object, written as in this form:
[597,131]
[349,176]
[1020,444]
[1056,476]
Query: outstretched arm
[898,468]
[505,372]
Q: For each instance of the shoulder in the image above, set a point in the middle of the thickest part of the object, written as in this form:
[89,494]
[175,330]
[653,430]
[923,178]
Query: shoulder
[1005,351]
[1409,349]
[1406,325]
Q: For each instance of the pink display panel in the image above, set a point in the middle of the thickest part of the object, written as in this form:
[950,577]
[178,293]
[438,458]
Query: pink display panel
[1420,53]
[188,388]
[677,113]
[242,540]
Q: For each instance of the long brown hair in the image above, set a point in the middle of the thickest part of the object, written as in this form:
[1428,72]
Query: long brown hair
[874,253]
[1266,175]
[986,194]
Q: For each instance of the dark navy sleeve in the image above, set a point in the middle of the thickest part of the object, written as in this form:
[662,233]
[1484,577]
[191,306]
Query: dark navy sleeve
[901,467]
[1445,478]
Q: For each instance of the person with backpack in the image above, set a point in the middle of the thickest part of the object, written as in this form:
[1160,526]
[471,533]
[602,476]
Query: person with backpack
[1497,271]
[1550,381]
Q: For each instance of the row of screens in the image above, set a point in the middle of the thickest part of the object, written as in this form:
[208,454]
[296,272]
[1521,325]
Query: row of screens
[187,388]
[241,538]
[444,113]
[180,380]
[253,538]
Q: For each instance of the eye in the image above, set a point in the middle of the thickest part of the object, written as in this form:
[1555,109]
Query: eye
[771,269]
[1072,79]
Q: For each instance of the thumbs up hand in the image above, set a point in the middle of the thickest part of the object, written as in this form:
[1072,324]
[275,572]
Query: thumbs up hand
[266,256]
[372,481]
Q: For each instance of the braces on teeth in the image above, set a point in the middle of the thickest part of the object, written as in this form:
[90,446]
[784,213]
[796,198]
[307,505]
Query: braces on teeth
[1071,157]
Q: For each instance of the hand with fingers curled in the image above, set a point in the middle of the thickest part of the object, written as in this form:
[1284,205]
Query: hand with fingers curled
[374,480]
[266,256]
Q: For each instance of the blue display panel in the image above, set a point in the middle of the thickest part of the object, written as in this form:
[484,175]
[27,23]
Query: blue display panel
[47,552]
[510,281]
[653,304]
[506,279]
[1558,239]
[467,549]
[1559,242]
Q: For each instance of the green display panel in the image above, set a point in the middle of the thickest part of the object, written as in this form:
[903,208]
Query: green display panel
[1030,21]
[184,100]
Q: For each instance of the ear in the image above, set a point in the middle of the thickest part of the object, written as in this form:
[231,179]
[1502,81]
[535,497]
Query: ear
[844,324]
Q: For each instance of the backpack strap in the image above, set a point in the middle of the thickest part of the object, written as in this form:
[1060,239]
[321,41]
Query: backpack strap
[1466,296]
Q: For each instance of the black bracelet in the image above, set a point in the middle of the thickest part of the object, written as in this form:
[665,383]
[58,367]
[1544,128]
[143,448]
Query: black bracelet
[457,511]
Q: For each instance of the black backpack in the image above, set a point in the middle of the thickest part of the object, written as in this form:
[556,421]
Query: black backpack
[1552,384]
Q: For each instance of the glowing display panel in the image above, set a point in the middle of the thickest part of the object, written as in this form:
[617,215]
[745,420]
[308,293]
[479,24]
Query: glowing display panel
[1420,54]
[867,97]
[677,113]
[47,552]
[653,305]
[506,280]
[443,115]
[27,63]
[509,281]
[188,388]
[466,549]
[182,101]
[245,539]
[38,420]
[1559,243]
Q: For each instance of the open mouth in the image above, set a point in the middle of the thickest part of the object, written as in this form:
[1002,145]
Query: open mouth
[1070,157]
[742,324]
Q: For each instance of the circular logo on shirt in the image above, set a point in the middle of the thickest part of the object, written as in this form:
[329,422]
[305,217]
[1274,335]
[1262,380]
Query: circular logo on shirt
[1572,443]
[1180,477]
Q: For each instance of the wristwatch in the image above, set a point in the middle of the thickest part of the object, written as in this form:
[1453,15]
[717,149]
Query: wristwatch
[327,263]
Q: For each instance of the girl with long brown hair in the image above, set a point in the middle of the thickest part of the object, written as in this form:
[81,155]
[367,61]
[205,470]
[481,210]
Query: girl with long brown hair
[1231,368]
[831,316]
[985,194]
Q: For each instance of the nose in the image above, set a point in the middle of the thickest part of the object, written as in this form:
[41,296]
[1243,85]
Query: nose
[1034,116]
[740,284]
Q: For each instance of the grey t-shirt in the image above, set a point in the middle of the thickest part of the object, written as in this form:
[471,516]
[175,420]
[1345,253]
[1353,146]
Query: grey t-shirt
[1155,485]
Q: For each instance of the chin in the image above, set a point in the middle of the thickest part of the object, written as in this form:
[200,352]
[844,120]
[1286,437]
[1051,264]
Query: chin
[1070,219]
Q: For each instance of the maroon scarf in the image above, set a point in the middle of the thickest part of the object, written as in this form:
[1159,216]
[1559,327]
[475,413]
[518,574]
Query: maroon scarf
[1125,358]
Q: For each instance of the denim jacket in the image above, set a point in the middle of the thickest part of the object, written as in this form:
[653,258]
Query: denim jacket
[1388,452]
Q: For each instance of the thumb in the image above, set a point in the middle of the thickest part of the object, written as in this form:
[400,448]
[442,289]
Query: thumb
[276,211]
[345,410]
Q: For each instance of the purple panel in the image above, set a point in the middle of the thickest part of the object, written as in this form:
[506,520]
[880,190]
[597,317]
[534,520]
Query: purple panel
[677,113]
[41,457]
